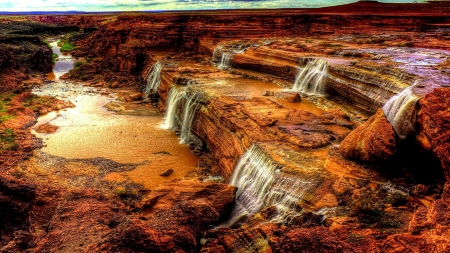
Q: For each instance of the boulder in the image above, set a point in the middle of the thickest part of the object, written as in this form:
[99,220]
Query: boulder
[166,173]
[288,96]
[115,85]
[373,141]
[128,98]
[434,126]
[135,96]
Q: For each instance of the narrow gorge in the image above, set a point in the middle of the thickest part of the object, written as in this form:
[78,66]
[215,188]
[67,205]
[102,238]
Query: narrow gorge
[308,130]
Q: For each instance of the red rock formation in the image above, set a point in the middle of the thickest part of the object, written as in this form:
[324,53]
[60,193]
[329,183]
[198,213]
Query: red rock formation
[434,123]
[373,141]
[18,56]
[84,217]
[23,117]
[229,126]
[175,215]
[173,218]
[316,239]
[17,198]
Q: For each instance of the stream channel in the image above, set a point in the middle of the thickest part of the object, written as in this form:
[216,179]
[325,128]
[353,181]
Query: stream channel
[95,147]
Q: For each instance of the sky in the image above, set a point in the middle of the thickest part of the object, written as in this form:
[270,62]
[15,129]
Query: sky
[142,5]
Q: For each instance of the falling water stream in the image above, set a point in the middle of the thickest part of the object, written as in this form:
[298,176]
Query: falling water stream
[262,183]
[225,61]
[174,97]
[400,111]
[153,79]
[311,78]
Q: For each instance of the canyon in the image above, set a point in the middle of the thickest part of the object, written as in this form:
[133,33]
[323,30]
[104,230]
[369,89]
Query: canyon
[296,130]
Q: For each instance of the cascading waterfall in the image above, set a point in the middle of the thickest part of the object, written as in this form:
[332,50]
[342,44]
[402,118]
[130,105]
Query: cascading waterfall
[173,99]
[400,111]
[225,61]
[153,79]
[311,78]
[259,185]
[253,175]
[285,195]
[216,52]
[189,113]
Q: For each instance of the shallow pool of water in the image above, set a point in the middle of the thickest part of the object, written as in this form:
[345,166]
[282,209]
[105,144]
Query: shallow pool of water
[90,131]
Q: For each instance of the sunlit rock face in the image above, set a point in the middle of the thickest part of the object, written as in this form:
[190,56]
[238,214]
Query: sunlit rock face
[373,141]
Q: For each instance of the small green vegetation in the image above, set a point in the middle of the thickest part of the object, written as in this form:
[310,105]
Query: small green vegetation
[54,57]
[5,103]
[6,117]
[78,64]
[7,140]
[48,44]
[66,47]
[126,193]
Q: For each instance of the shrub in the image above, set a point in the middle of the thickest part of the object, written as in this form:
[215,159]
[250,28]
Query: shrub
[54,57]
[78,64]
[66,47]
[7,140]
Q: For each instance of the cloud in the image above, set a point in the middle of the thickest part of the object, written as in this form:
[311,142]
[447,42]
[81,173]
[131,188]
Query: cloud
[136,5]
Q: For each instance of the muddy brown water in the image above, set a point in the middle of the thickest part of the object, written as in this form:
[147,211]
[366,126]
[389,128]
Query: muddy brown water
[90,131]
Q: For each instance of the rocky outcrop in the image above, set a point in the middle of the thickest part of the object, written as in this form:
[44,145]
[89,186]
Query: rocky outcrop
[173,219]
[230,125]
[373,141]
[306,236]
[17,198]
[317,239]
[19,55]
[23,51]
[82,218]
[433,120]
[16,141]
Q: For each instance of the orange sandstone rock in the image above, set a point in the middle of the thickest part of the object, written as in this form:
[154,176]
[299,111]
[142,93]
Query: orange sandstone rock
[434,124]
[372,141]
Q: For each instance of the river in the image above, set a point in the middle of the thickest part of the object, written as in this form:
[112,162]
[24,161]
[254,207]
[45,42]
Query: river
[136,148]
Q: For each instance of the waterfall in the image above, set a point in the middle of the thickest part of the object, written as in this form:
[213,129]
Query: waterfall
[400,111]
[311,78]
[153,79]
[189,113]
[216,52]
[225,62]
[260,185]
[253,175]
[173,98]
